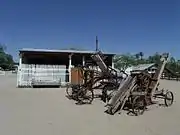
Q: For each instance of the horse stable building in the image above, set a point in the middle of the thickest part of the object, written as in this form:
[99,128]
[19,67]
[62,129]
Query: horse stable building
[53,67]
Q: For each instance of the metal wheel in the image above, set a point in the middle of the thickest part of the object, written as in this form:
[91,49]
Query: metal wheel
[85,96]
[68,90]
[72,91]
[138,105]
[105,97]
[169,98]
[104,94]
[110,110]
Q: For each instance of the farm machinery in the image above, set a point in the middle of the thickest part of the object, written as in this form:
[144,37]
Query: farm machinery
[139,90]
[94,80]
[119,90]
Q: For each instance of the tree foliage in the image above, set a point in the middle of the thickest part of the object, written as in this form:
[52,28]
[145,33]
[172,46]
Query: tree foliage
[126,60]
[6,60]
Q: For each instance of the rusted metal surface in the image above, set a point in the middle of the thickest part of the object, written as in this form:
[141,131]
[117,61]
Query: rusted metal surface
[107,78]
[135,91]
[139,89]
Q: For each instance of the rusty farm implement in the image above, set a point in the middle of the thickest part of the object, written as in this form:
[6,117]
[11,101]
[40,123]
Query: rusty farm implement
[139,90]
[92,80]
[134,92]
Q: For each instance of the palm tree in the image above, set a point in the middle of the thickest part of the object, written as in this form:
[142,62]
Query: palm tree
[137,56]
[141,54]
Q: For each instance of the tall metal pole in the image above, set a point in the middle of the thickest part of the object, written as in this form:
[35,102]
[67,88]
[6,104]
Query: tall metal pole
[96,43]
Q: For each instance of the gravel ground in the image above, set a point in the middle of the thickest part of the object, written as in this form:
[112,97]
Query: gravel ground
[26,111]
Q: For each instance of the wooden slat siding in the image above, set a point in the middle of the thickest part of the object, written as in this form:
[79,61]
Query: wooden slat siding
[76,76]
[29,72]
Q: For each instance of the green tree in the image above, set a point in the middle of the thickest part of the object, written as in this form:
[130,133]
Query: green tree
[124,61]
[6,60]
[154,58]
[137,56]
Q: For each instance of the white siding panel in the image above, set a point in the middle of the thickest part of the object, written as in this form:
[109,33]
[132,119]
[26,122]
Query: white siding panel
[43,73]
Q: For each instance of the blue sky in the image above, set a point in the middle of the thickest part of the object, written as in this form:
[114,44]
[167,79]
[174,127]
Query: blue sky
[121,25]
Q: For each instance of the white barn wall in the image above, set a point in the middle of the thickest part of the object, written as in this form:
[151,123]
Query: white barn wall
[43,73]
[28,72]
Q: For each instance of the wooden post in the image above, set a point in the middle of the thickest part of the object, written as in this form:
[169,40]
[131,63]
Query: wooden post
[112,64]
[83,60]
[97,44]
[70,65]
[158,73]
[19,74]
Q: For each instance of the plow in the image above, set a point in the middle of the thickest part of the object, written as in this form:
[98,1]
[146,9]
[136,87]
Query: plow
[134,92]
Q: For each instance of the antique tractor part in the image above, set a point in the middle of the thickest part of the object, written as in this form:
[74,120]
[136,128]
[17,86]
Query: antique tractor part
[72,90]
[119,99]
[166,95]
[108,89]
[158,74]
[80,93]
[69,91]
[138,105]
[169,98]
[85,96]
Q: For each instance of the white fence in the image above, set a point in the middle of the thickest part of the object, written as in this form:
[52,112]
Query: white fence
[42,73]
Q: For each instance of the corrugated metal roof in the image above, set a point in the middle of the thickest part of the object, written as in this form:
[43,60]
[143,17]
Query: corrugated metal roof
[60,51]
[139,67]
[143,66]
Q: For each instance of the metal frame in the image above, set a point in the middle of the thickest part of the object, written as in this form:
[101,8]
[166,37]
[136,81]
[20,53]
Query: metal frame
[139,90]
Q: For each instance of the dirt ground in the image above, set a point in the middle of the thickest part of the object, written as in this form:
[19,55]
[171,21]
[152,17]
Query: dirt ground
[25,111]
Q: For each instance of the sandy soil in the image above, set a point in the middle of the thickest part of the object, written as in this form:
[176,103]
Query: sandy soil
[49,112]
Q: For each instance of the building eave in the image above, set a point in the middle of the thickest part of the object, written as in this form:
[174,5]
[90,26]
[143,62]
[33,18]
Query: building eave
[24,50]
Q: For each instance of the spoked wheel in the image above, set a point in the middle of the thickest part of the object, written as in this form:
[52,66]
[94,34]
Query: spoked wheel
[72,91]
[85,96]
[169,98]
[138,105]
[104,96]
[69,90]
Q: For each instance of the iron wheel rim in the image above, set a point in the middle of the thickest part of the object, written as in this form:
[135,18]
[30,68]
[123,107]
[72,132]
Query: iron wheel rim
[85,96]
[169,98]
[138,106]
